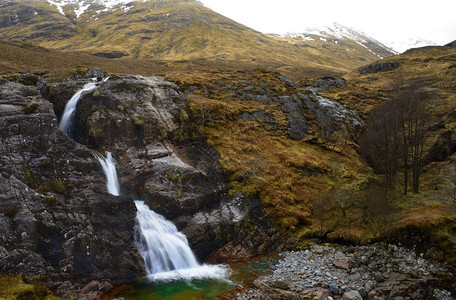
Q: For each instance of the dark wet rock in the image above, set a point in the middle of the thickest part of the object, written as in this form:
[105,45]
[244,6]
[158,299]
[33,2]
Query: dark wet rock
[452,44]
[56,218]
[327,83]
[298,127]
[287,80]
[331,116]
[381,67]
[112,54]
[255,116]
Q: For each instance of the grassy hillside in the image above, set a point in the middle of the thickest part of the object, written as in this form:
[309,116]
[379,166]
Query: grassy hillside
[432,212]
[322,188]
[173,31]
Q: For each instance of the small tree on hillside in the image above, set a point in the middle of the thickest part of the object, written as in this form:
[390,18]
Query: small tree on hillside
[395,136]
[413,119]
[380,143]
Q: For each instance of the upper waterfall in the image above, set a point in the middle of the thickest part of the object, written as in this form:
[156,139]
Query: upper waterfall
[66,123]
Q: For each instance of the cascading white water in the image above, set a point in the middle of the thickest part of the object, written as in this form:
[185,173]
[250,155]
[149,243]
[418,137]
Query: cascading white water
[109,168]
[165,251]
[66,123]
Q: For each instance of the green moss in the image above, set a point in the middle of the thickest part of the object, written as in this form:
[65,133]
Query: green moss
[54,186]
[76,72]
[28,79]
[51,201]
[12,287]
[96,94]
[184,116]
[29,178]
[138,122]
[179,193]
[95,131]
[31,108]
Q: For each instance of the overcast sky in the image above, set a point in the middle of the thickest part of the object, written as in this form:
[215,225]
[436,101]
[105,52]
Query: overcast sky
[384,20]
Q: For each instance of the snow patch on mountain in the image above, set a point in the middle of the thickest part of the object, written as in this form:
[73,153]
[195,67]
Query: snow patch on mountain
[337,32]
[81,6]
[414,42]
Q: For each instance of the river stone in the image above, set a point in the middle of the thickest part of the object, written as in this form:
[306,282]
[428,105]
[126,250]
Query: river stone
[352,295]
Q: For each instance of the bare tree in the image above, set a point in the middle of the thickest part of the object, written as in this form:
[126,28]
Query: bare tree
[395,136]
[413,119]
[380,143]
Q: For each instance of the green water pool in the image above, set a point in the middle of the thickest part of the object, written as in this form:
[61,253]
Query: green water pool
[242,274]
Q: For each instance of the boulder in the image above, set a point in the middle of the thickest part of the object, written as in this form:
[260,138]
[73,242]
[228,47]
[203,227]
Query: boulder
[352,295]
[381,67]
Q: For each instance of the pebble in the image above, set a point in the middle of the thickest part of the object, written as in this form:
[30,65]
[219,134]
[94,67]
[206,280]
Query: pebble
[369,266]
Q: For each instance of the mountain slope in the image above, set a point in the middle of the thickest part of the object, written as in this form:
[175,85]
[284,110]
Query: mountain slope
[341,39]
[171,30]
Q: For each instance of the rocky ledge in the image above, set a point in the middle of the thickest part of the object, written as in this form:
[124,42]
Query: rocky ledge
[377,271]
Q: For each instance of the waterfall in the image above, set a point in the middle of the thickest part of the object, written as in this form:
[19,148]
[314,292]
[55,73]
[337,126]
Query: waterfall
[165,251]
[66,123]
[109,168]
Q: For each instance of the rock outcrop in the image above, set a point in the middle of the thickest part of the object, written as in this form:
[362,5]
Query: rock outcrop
[56,218]
[147,124]
[381,67]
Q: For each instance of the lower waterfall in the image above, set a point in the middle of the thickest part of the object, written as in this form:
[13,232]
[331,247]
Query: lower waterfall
[165,251]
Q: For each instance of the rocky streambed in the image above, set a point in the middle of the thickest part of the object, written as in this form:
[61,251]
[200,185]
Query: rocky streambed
[379,271]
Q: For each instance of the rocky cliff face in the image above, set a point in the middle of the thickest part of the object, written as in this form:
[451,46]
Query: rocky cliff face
[147,124]
[57,219]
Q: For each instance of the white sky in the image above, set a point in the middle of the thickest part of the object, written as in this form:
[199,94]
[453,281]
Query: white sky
[384,20]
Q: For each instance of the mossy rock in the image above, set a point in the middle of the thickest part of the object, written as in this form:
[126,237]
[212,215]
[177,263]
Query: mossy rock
[96,95]
[54,186]
[12,287]
[76,73]
[138,122]
[95,131]
[28,79]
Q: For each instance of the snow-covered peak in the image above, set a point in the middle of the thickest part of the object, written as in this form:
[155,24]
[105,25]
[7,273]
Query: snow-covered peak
[82,5]
[403,45]
[336,32]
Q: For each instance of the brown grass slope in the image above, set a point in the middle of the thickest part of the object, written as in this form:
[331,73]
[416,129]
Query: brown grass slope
[171,30]
[432,212]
